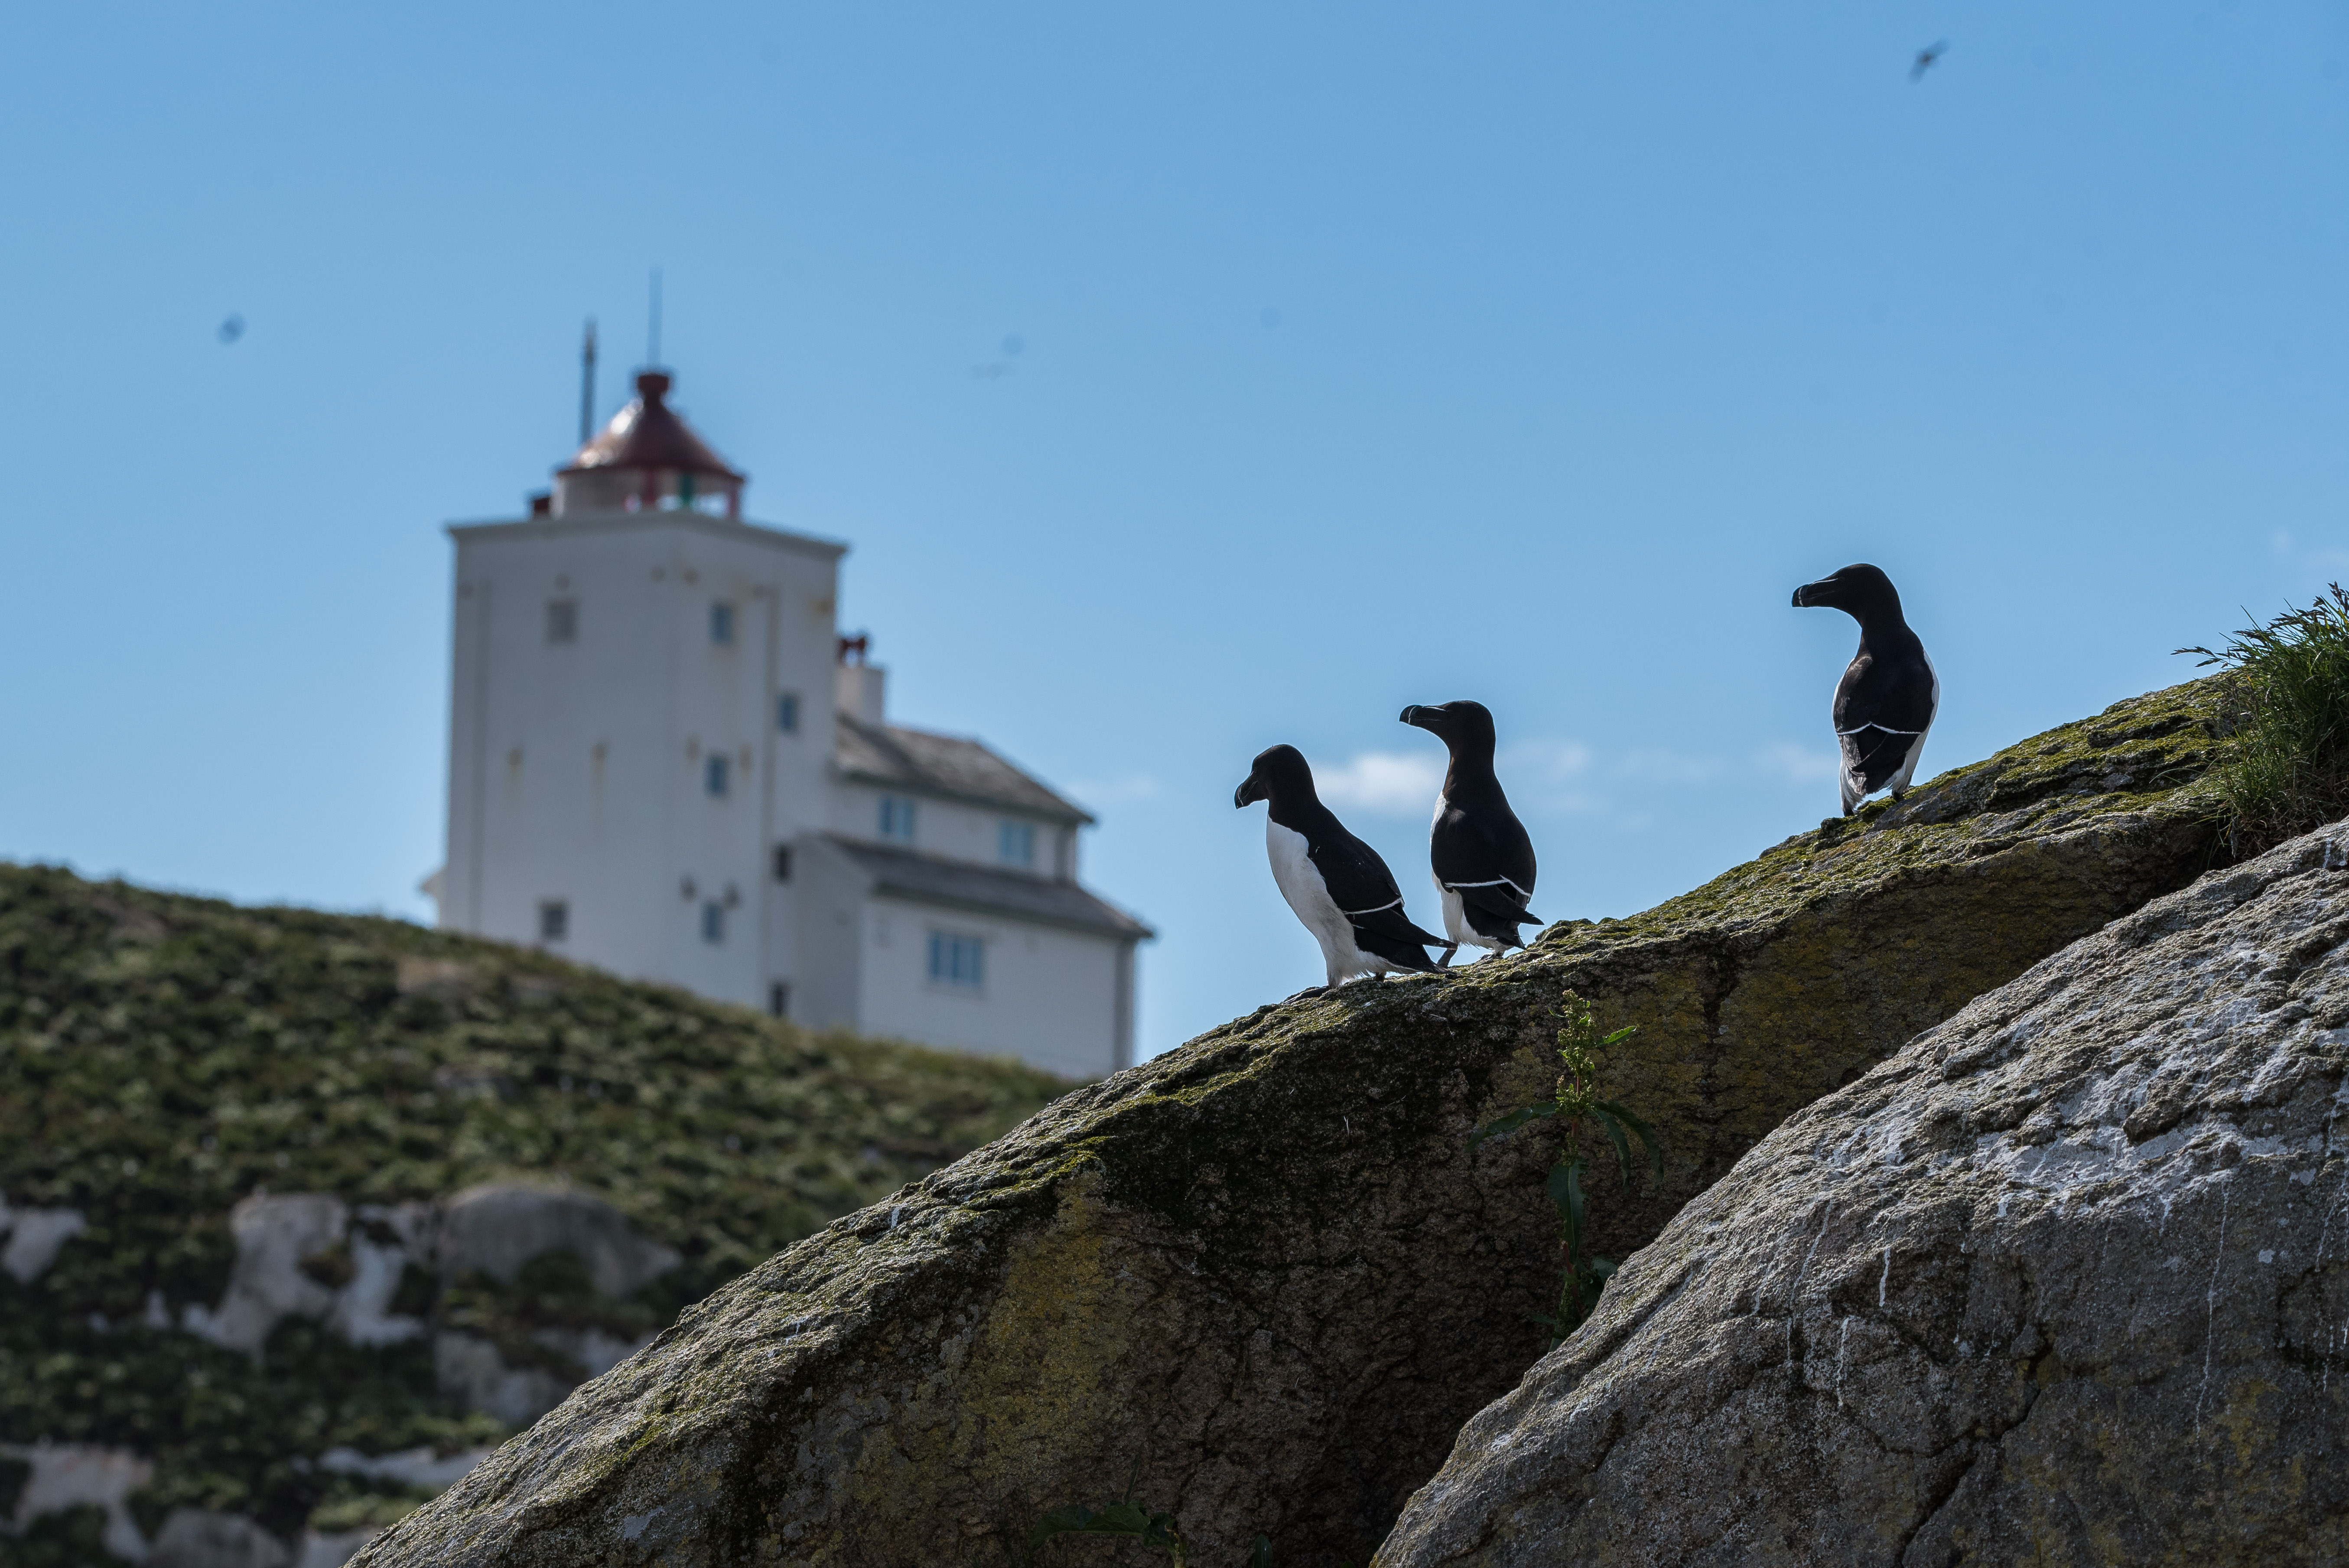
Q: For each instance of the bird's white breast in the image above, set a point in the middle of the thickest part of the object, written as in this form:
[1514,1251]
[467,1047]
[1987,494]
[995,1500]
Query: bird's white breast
[1301,884]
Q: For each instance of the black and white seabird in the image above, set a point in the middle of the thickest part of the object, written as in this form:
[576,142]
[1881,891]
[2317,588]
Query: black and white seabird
[1336,883]
[1888,693]
[1483,857]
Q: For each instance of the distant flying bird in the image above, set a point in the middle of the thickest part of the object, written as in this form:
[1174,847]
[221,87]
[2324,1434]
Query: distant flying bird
[1925,58]
[1888,693]
[232,329]
[1481,855]
[1337,884]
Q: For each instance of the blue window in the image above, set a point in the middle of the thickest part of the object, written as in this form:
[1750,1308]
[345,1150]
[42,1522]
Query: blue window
[721,624]
[713,923]
[718,775]
[957,960]
[898,819]
[787,712]
[1015,843]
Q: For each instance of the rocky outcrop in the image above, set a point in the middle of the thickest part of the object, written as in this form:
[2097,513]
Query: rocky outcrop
[497,1228]
[32,1237]
[292,1252]
[1264,1279]
[2065,1282]
[58,1478]
[309,1254]
[200,1538]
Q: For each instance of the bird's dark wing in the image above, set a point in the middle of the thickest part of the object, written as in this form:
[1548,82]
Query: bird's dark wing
[1498,903]
[1494,881]
[1480,841]
[1389,933]
[1875,755]
[1357,880]
[1363,887]
[1393,924]
[1889,691]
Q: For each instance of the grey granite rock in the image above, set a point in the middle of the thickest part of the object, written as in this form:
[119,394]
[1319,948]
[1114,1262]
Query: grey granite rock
[61,1476]
[2065,1282]
[198,1538]
[276,1235]
[497,1228]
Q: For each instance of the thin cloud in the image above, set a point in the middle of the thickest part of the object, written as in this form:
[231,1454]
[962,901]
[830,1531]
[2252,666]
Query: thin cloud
[1657,766]
[1117,792]
[1537,774]
[1545,761]
[2289,547]
[1544,775]
[1389,783]
[1797,764]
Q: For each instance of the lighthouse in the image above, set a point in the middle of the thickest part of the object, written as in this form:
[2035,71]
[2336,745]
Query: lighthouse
[664,761]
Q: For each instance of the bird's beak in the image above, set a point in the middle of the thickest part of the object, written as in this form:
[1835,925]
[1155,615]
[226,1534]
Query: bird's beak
[1810,595]
[1417,718]
[1250,791]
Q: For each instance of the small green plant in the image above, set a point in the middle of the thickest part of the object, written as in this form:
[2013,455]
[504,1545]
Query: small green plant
[1574,1103]
[1132,1520]
[2286,766]
[1129,1518]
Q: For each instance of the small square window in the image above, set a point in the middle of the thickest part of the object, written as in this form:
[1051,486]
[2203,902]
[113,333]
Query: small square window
[562,620]
[553,919]
[1015,843]
[721,624]
[787,712]
[783,863]
[713,923]
[958,960]
[779,999]
[898,819]
[718,775]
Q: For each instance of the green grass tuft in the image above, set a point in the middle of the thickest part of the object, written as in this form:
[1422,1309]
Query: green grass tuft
[2285,767]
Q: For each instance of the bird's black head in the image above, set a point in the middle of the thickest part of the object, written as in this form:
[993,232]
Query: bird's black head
[1279,773]
[1862,592]
[1467,727]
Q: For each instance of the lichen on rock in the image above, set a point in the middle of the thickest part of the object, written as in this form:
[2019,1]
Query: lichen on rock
[1264,1279]
[2064,1281]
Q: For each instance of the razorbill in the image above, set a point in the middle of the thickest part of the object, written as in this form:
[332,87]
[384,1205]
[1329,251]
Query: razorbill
[1483,858]
[1888,693]
[1336,883]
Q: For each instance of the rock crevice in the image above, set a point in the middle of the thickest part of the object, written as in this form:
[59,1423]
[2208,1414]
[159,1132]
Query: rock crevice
[2055,1340]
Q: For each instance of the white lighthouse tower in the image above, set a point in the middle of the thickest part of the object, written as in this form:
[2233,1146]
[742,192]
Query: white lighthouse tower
[665,761]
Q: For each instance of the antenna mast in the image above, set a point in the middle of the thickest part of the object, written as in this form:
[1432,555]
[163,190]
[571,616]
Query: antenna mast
[652,347]
[587,384]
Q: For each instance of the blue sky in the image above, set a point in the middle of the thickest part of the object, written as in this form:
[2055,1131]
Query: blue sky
[1187,378]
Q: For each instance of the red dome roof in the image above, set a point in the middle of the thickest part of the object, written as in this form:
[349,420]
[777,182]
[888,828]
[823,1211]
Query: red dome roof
[647,434]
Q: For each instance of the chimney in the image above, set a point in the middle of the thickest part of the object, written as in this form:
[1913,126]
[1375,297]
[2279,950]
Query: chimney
[857,686]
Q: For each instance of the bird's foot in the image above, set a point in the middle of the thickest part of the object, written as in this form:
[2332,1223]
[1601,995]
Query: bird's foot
[1450,948]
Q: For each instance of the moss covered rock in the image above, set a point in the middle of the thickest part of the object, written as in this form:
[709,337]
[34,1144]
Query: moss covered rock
[226,1134]
[2063,1283]
[1261,1281]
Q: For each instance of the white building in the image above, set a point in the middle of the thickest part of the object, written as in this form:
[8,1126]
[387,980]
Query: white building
[664,761]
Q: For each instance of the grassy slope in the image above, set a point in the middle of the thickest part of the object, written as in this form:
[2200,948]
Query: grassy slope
[162,1057]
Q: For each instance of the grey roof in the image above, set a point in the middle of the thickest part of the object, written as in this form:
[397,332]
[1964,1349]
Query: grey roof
[955,884]
[945,765]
